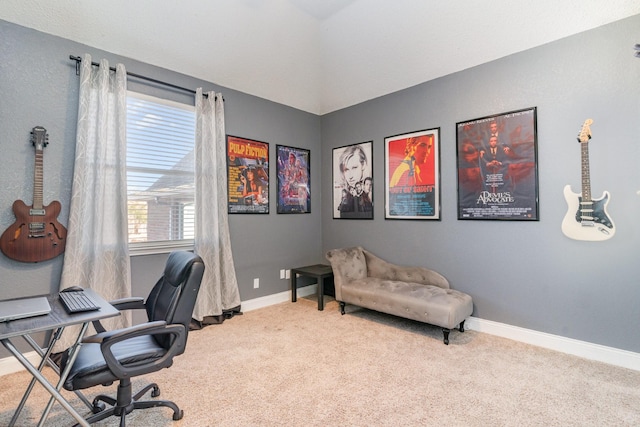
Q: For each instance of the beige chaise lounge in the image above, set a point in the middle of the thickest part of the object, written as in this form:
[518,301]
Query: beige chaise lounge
[416,293]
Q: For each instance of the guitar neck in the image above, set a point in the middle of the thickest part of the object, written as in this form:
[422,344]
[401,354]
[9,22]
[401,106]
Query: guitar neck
[37,181]
[586,180]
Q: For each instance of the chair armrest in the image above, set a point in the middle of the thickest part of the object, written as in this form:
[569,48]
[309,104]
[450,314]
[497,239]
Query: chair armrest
[130,303]
[109,338]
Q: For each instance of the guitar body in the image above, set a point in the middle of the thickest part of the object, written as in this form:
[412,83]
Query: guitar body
[590,222]
[36,235]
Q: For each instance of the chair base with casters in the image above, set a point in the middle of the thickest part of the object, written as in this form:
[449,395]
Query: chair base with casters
[124,403]
[123,354]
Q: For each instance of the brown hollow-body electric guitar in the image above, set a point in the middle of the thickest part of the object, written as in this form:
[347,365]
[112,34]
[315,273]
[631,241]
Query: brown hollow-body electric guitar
[36,235]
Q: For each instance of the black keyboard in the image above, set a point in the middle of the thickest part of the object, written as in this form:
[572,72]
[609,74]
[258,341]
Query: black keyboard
[77,302]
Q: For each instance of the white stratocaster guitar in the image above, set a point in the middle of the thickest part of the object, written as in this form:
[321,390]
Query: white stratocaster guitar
[586,218]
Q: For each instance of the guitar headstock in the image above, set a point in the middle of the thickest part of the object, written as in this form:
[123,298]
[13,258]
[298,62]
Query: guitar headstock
[585,132]
[39,137]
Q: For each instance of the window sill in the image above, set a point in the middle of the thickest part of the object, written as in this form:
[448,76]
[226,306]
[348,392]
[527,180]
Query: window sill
[151,248]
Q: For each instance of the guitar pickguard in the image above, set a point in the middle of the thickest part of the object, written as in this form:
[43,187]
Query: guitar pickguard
[593,212]
[590,222]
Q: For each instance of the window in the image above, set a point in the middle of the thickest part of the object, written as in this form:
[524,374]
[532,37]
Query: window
[160,174]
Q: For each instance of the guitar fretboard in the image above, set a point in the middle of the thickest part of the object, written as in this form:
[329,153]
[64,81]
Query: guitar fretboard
[37,181]
[586,180]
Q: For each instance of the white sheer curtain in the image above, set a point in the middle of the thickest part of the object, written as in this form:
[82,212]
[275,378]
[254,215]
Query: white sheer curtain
[219,288]
[97,253]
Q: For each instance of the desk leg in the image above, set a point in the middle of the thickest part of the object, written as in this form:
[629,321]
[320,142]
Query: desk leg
[42,380]
[320,293]
[63,375]
[52,365]
[45,360]
[294,287]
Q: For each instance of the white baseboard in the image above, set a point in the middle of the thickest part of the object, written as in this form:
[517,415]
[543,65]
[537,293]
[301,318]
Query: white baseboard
[261,302]
[600,353]
[9,365]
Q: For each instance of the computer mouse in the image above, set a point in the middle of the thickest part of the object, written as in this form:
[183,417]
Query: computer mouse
[72,289]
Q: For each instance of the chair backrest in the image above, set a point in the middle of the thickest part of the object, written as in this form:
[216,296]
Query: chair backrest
[173,297]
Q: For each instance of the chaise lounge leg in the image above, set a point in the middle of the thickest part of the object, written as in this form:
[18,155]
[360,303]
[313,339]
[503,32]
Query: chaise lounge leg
[461,328]
[446,331]
[342,305]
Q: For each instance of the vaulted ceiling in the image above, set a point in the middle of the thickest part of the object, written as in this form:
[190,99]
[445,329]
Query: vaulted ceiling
[315,55]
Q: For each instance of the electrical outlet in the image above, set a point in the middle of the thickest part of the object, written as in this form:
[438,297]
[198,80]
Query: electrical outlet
[256,283]
[288,274]
[282,274]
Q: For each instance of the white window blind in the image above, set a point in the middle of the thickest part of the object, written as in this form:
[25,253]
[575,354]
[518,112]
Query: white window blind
[160,173]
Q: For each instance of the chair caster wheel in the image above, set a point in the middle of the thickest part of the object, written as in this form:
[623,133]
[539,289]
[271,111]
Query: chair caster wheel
[98,407]
[178,415]
[155,392]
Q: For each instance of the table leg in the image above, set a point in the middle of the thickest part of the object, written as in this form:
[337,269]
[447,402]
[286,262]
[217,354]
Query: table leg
[42,380]
[43,361]
[320,293]
[45,357]
[294,287]
[63,375]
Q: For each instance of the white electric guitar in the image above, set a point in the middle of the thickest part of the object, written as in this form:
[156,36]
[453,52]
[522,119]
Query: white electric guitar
[586,218]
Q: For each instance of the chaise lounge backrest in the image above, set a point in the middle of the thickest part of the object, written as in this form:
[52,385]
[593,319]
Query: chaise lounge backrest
[357,263]
[377,267]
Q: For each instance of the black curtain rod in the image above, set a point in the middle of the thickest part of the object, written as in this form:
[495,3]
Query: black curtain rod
[138,76]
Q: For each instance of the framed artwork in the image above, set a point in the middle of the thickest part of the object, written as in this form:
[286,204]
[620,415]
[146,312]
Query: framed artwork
[353,181]
[412,175]
[294,180]
[247,176]
[497,160]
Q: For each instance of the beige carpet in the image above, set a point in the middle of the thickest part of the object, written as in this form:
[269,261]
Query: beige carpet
[292,365]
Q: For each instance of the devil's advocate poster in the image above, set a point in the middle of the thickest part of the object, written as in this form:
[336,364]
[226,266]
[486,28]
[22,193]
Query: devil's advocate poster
[497,167]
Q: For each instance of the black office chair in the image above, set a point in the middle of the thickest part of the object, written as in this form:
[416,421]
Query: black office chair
[122,354]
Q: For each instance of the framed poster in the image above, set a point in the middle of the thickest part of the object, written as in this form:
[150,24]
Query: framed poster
[497,159]
[294,180]
[247,175]
[412,175]
[353,181]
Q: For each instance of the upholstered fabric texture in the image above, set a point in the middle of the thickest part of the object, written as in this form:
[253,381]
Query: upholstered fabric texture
[348,264]
[416,293]
[377,267]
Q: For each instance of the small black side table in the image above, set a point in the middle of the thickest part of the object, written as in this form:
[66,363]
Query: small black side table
[320,272]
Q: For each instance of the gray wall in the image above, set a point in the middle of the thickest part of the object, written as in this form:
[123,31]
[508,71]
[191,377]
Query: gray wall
[38,86]
[526,274]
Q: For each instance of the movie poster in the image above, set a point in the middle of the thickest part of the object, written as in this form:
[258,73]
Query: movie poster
[497,167]
[247,175]
[353,181]
[412,173]
[294,180]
